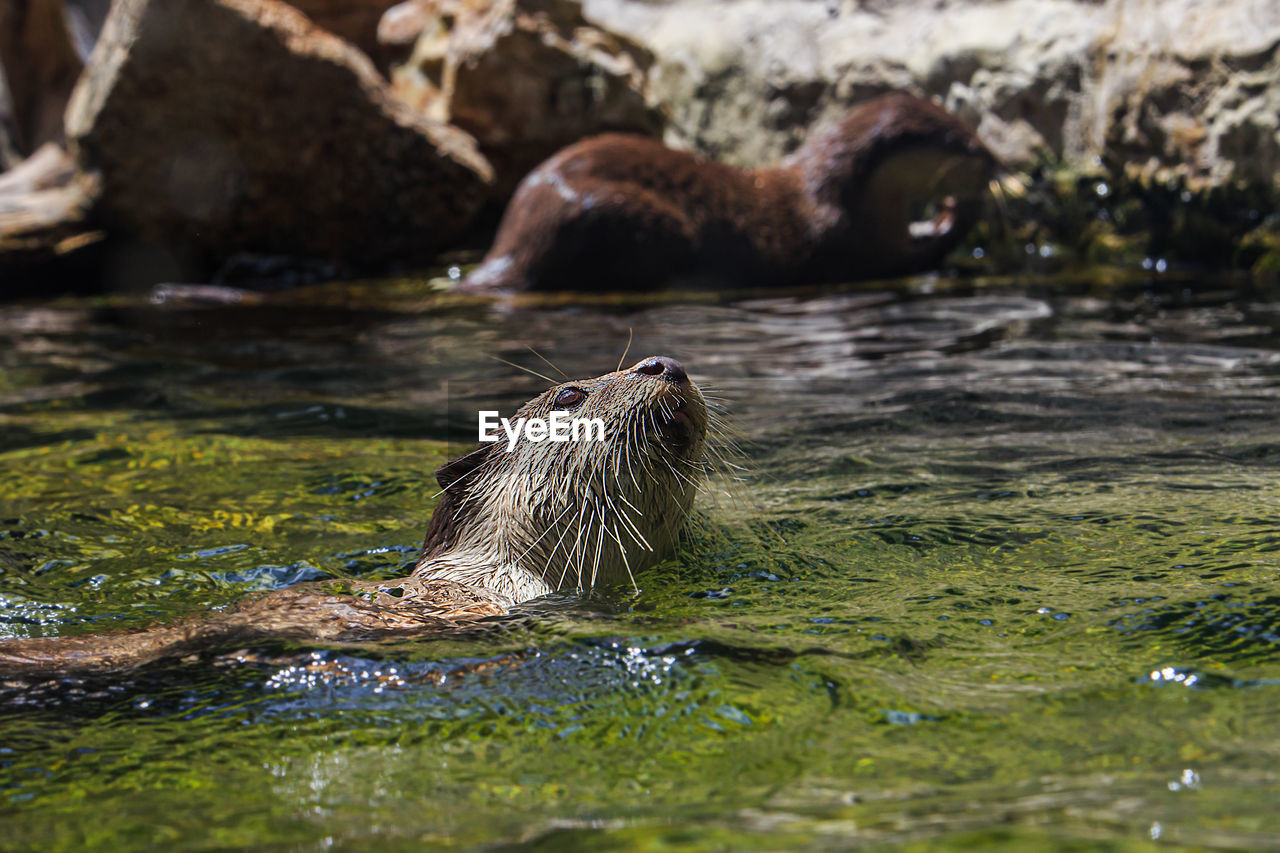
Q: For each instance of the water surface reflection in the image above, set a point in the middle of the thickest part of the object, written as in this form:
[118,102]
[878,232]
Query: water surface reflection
[978,520]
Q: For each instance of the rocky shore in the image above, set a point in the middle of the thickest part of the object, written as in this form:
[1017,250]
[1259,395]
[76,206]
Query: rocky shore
[151,140]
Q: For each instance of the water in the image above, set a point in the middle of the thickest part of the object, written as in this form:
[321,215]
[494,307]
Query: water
[1001,572]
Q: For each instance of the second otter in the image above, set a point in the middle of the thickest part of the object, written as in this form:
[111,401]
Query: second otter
[889,190]
[510,526]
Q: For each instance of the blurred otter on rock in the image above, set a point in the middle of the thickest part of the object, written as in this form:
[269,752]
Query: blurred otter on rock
[888,190]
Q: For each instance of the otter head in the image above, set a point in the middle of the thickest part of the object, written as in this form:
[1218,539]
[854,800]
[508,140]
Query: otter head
[525,517]
[905,176]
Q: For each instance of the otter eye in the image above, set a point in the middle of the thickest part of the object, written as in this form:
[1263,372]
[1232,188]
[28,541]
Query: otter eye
[570,398]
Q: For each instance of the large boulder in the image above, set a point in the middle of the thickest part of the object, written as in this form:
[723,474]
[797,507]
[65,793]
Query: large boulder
[354,20]
[525,77]
[9,153]
[44,220]
[222,126]
[1181,90]
[43,46]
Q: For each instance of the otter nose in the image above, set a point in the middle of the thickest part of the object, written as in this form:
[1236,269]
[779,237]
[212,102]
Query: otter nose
[667,368]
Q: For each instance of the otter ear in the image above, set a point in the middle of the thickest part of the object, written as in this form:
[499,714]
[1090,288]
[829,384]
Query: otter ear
[456,469]
[442,530]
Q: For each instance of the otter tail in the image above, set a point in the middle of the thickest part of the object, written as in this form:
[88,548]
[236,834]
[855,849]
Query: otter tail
[307,613]
[56,656]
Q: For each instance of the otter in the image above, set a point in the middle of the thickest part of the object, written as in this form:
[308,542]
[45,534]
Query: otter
[511,525]
[888,190]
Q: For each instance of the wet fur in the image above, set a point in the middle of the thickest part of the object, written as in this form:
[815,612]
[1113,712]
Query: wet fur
[509,526]
[621,212]
[577,514]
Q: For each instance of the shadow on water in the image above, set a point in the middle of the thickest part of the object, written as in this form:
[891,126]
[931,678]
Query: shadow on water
[1001,572]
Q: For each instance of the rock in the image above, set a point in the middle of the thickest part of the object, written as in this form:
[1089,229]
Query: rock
[84,22]
[9,154]
[525,77]
[354,20]
[1176,90]
[221,126]
[43,46]
[44,206]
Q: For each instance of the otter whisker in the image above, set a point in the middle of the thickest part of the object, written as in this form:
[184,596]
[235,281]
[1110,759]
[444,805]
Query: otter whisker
[626,564]
[629,452]
[528,370]
[583,543]
[604,484]
[625,349]
[719,434]
[576,548]
[543,535]
[680,475]
[595,569]
[653,428]
[639,511]
[718,455]
[696,466]
[547,568]
[548,361]
[685,478]
[630,527]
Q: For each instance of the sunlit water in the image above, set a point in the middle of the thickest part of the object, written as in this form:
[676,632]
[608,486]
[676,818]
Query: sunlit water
[1001,570]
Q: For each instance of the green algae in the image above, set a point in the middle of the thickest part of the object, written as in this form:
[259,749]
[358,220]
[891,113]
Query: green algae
[1032,607]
